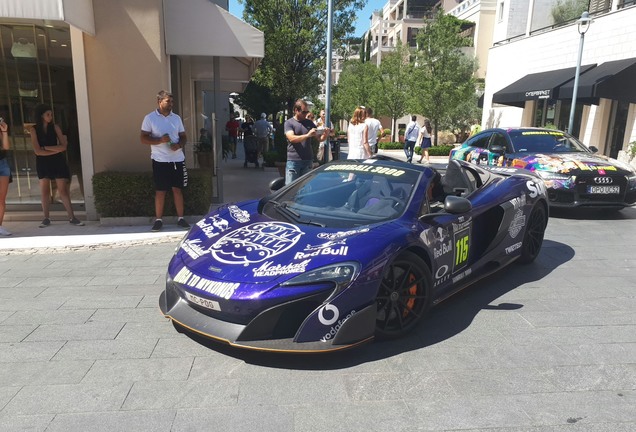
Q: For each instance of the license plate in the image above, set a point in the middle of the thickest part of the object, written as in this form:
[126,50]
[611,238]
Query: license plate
[603,189]
[208,304]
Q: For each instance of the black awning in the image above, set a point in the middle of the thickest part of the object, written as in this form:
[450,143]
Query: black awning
[542,85]
[610,80]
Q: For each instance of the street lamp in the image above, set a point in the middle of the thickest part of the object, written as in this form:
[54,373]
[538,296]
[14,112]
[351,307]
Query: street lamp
[583,26]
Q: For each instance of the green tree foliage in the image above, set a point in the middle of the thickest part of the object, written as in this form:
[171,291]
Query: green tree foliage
[443,72]
[295,42]
[568,10]
[257,99]
[396,84]
[358,85]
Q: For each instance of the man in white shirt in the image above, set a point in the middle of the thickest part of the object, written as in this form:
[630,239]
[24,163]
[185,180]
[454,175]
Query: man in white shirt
[163,131]
[410,136]
[373,127]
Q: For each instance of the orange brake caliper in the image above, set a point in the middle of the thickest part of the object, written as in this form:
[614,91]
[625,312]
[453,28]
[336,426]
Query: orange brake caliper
[410,302]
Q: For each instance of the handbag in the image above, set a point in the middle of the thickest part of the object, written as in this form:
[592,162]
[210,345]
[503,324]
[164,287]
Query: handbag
[22,48]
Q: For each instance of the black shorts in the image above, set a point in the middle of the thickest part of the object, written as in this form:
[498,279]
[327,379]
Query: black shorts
[168,175]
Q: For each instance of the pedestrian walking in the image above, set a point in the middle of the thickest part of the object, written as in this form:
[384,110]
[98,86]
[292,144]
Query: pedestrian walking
[424,141]
[232,127]
[410,137]
[163,131]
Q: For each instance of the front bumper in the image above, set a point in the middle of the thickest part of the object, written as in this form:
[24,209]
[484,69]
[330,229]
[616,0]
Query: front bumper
[275,329]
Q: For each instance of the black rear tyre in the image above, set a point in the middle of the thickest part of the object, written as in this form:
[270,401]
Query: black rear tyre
[404,296]
[533,237]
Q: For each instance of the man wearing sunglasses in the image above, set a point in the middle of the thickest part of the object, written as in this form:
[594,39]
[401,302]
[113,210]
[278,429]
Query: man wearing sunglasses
[300,132]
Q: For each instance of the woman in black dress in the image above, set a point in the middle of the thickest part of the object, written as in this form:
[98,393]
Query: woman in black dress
[49,146]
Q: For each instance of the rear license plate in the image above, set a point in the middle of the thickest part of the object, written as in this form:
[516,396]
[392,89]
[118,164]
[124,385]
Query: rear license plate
[603,189]
[208,304]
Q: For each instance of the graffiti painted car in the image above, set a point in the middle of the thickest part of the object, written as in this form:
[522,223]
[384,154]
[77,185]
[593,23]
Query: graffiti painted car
[574,174]
[351,251]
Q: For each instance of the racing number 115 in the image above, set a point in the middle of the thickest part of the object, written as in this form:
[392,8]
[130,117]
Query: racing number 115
[461,250]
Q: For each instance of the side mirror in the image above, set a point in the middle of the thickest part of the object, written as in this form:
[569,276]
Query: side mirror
[457,205]
[594,149]
[497,149]
[277,183]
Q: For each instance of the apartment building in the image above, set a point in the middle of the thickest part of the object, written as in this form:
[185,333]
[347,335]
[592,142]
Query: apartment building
[531,70]
[100,64]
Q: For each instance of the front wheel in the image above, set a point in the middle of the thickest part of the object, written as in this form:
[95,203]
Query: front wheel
[404,296]
[533,237]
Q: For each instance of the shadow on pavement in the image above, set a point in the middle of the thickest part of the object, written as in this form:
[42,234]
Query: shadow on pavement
[445,320]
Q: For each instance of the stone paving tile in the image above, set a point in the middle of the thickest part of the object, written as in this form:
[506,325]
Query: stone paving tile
[396,386]
[592,377]
[125,315]
[601,353]
[86,331]
[28,351]
[31,423]
[28,271]
[357,417]
[56,281]
[573,318]
[77,316]
[100,270]
[147,369]
[68,398]
[67,292]
[235,419]
[106,349]
[183,347]
[30,304]
[15,333]
[573,335]
[6,394]
[144,279]
[498,381]
[154,290]
[191,394]
[21,292]
[10,281]
[158,328]
[152,301]
[468,412]
[137,421]
[36,373]
[264,390]
[586,407]
[102,302]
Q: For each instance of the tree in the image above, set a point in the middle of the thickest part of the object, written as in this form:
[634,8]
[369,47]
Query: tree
[568,10]
[395,86]
[444,73]
[257,99]
[295,42]
[358,85]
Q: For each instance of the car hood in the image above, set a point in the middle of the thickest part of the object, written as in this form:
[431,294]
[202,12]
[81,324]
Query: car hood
[568,163]
[240,245]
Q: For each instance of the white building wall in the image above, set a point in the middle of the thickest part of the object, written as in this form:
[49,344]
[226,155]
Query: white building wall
[610,37]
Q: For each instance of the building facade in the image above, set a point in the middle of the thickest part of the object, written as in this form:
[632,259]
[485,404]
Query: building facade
[100,64]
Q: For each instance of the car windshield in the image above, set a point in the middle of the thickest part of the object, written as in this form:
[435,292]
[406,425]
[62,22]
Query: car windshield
[545,141]
[345,195]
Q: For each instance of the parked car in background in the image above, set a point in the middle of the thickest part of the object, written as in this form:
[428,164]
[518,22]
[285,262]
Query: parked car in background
[575,175]
[350,251]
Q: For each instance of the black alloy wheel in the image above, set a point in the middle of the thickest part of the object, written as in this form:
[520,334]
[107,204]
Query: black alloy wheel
[533,237]
[404,296]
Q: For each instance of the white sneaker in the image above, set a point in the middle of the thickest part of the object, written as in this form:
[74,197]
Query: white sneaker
[4,232]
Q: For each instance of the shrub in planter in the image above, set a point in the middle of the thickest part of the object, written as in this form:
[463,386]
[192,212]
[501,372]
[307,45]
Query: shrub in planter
[391,145]
[131,194]
[440,150]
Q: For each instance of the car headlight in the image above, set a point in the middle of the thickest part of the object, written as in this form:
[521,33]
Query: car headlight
[340,274]
[631,181]
[549,175]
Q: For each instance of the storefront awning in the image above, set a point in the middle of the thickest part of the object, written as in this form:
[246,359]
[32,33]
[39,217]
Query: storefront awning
[78,13]
[542,85]
[610,80]
[206,29]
